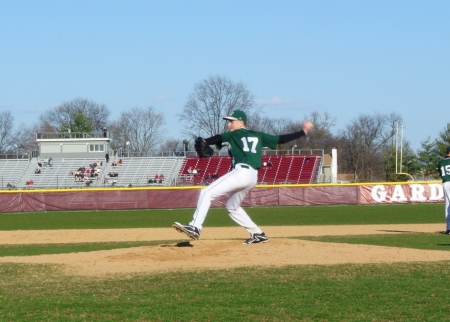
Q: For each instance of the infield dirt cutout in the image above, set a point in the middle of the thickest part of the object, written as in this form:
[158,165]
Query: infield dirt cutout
[218,248]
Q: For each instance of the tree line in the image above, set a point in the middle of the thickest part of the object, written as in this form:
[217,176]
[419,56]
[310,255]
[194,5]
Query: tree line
[367,147]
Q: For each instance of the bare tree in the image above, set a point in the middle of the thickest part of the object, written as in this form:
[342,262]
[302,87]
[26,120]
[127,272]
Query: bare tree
[78,115]
[321,136]
[172,147]
[11,139]
[212,99]
[140,127]
[364,140]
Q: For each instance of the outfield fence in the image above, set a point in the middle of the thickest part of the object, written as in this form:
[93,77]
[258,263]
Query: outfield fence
[186,197]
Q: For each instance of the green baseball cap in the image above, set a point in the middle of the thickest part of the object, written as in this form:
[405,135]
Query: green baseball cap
[448,149]
[236,115]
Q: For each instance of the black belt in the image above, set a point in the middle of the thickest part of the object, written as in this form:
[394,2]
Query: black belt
[245,166]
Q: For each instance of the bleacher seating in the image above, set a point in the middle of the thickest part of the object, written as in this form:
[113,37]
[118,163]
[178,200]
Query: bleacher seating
[291,169]
[11,171]
[58,175]
[138,171]
[207,166]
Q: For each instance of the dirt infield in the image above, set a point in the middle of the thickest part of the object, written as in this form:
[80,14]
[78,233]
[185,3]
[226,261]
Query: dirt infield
[218,248]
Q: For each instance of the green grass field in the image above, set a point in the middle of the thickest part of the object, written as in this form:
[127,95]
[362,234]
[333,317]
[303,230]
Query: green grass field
[350,292]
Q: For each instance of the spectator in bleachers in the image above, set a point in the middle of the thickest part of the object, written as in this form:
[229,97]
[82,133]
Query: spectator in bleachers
[150,180]
[156,177]
[215,175]
[161,176]
[269,163]
[107,157]
[45,162]
[112,174]
[50,162]
[194,172]
[29,182]
[120,161]
[189,170]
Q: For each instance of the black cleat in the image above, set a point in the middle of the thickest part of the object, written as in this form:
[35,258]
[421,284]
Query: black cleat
[191,231]
[256,238]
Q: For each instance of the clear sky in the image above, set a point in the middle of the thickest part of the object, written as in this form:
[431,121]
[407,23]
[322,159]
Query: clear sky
[297,57]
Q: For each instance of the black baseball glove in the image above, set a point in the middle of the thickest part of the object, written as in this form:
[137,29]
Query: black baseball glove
[203,149]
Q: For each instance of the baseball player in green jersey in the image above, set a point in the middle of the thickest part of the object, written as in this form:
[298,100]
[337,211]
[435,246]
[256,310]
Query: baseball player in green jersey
[246,147]
[444,172]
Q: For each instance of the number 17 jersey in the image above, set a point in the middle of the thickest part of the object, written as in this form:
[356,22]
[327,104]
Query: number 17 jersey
[247,145]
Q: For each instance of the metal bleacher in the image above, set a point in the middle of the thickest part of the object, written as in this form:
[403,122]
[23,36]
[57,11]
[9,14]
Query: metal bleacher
[12,171]
[137,171]
[58,174]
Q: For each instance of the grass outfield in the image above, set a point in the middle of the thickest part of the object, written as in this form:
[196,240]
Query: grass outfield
[217,217]
[350,292]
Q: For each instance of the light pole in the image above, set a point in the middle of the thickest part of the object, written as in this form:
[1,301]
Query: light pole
[17,151]
[128,151]
[293,149]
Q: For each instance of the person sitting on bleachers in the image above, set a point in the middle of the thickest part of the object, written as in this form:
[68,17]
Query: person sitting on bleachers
[269,163]
[110,181]
[29,182]
[119,162]
[38,170]
[150,180]
[215,175]
[189,170]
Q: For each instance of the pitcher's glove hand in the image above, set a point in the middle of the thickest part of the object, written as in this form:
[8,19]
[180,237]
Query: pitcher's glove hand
[203,149]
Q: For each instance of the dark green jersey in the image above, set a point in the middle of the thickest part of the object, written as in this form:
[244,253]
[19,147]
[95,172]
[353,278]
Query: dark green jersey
[444,169]
[247,145]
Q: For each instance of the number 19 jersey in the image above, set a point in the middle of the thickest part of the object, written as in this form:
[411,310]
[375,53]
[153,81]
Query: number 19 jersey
[247,145]
[444,169]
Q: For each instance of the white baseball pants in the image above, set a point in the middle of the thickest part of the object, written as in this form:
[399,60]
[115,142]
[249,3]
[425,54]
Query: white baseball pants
[237,184]
[446,187]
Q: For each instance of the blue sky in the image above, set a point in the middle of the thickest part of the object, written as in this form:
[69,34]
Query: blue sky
[297,57]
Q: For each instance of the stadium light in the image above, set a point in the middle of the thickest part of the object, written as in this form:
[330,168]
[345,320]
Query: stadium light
[293,149]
